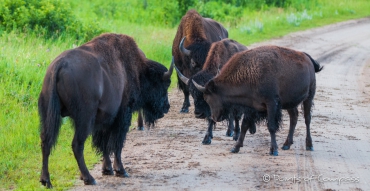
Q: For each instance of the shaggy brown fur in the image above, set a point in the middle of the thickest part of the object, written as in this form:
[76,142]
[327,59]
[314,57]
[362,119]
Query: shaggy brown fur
[200,33]
[253,65]
[264,81]
[220,53]
[99,85]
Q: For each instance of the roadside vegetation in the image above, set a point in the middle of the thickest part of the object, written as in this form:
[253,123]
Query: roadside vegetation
[34,32]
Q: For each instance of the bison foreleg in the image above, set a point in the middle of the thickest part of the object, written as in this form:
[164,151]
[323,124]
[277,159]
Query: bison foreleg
[118,166]
[246,124]
[186,104]
[209,135]
[230,127]
[236,128]
[140,122]
[107,164]
[293,115]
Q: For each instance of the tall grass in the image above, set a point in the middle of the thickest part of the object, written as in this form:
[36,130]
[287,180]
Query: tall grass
[25,57]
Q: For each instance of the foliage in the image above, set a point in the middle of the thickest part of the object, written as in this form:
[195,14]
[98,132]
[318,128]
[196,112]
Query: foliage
[50,18]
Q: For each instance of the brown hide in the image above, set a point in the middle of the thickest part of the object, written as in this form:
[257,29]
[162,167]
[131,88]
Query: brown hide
[255,77]
[196,29]
[220,53]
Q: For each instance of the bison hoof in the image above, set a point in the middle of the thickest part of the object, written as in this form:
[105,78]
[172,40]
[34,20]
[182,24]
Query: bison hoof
[184,110]
[274,153]
[122,173]
[46,183]
[309,148]
[229,133]
[252,130]
[286,147]
[107,172]
[140,128]
[206,142]
[90,181]
[235,150]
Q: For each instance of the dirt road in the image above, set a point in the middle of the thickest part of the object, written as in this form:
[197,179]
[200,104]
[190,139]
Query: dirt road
[172,157]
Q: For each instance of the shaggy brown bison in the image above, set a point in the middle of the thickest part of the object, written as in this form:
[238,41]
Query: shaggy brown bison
[263,81]
[99,85]
[218,55]
[196,34]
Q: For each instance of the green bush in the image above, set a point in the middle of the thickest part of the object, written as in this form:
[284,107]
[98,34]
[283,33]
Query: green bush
[50,18]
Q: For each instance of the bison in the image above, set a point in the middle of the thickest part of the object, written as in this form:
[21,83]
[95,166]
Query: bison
[218,55]
[196,34]
[99,85]
[263,81]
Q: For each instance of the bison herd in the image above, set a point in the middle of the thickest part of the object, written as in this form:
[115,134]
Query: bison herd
[101,83]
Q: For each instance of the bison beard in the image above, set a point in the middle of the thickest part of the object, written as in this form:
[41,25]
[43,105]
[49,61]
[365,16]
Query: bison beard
[99,85]
[265,80]
[197,34]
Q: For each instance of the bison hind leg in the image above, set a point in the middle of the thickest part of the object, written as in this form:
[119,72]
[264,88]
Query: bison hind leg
[307,106]
[293,115]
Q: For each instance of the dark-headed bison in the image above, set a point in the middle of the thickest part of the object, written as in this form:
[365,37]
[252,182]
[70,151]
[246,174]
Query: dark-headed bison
[196,34]
[99,85]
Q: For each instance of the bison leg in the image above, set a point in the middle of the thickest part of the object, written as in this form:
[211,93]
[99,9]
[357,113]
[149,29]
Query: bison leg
[246,124]
[186,104]
[118,166]
[293,115]
[236,128]
[107,164]
[209,135]
[230,127]
[140,123]
[78,142]
[45,176]
[273,119]
[307,116]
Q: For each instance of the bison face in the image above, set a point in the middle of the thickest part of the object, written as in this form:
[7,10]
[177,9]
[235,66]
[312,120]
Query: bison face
[196,52]
[214,100]
[202,109]
[154,92]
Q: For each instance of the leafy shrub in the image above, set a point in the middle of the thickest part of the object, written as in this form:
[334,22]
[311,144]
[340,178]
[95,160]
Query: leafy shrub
[50,18]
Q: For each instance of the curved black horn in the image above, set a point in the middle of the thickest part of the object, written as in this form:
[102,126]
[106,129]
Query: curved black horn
[183,49]
[199,87]
[182,77]
[167,75]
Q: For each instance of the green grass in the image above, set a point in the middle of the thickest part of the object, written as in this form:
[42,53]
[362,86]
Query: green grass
[25,57]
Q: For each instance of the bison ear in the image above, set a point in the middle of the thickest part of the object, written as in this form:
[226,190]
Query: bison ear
[211,87]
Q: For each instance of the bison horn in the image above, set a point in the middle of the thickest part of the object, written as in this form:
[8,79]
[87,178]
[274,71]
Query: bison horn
[182,77]
[199,87]
[167,75]
[183,49]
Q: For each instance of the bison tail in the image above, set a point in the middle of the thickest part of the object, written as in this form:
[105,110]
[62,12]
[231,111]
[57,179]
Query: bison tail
[317,66]
[50,113]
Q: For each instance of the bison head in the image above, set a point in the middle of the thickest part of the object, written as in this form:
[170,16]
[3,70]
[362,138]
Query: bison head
[154,91]
[197,52]
[201,107]
[213,98]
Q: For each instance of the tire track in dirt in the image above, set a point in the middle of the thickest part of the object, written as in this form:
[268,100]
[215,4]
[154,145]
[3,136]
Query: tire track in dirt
[171,156]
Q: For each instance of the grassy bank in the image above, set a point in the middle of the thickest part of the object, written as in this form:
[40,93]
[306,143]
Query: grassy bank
[25,57]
